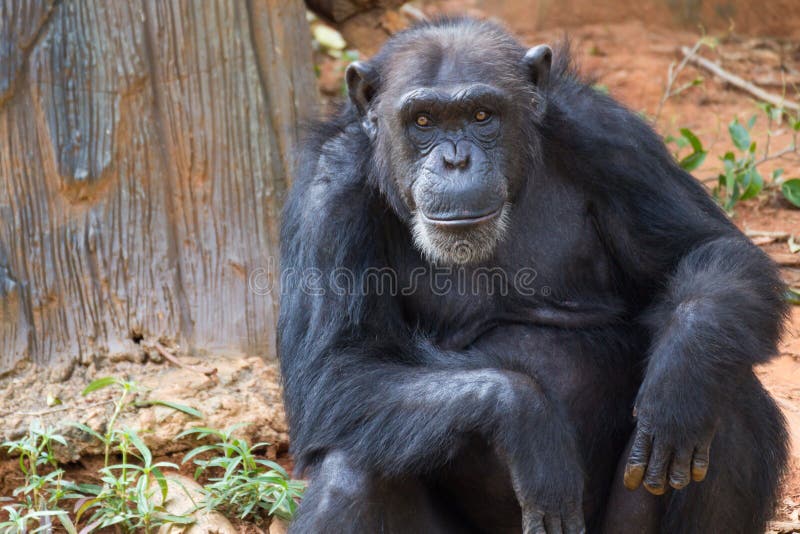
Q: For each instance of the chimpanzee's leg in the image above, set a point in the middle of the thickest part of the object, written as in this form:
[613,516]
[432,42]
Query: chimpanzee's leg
[748,456]
[342,500]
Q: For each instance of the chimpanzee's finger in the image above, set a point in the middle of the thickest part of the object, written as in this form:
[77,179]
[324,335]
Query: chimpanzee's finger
[679,471]
[700,462]
[573,522]
[655,479]
[533,523]
[637,459]
[552,523]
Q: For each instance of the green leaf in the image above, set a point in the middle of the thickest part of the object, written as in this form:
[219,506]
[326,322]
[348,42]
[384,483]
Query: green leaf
[179,519]
[791,191]
[86,506]
[201,432]
[67,524]
[751,122]
[697,146]
[147,456]
[158,475]
[793,295]
[752,184]
[739,135]
[697,81]
[692,161]
[777,173]
[174,405]
[88,430]
[100,383]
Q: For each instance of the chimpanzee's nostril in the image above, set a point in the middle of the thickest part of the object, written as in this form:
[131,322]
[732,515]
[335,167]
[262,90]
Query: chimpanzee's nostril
[457,162]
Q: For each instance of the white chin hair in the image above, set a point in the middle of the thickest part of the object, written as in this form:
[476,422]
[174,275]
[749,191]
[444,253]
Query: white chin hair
[459,247]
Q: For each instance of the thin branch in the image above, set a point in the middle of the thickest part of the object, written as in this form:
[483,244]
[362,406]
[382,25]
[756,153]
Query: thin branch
[210,372]
[791,149]
[672,76]
[778,236]
[738,82]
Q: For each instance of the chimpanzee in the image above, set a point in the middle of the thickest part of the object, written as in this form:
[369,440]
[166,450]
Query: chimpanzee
[505,308]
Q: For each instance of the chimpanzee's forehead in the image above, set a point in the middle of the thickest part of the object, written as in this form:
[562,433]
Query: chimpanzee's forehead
[445,57]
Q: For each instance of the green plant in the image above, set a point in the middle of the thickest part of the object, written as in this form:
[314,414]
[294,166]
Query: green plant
[740,178]
[687,138]
[43,486]
[20,518]
[128,389]
[125,495]
[247,484]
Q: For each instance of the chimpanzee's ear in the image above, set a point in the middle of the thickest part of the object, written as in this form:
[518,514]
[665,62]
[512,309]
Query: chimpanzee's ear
[362,83]
[538,60]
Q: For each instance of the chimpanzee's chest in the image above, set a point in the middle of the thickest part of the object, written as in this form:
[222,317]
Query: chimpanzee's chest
[551,268]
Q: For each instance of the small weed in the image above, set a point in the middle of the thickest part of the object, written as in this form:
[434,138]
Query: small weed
[124,497]
[129,495]
[740,177]
[43,486]
[248,485]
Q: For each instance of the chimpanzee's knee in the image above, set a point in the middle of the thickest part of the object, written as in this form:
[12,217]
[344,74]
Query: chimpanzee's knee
[343,499]
[337,494]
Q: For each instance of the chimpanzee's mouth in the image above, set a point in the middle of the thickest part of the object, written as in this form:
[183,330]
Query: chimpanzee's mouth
[460,221]
[460,240]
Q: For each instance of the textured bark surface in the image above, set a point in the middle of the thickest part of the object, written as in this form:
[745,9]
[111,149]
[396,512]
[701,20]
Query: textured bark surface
[143,161]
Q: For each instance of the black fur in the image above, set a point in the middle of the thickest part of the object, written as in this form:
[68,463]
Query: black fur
[413,411]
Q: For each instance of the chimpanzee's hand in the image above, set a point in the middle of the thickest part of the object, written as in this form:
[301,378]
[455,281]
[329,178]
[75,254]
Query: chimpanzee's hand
[662,453]
[546,512]
[567,521]
[547,477]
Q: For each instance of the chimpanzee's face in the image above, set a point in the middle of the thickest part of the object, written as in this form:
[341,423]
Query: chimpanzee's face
[448,128]
[452,169]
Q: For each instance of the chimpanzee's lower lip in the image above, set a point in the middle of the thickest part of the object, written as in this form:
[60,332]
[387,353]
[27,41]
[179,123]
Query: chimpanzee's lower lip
[453,222]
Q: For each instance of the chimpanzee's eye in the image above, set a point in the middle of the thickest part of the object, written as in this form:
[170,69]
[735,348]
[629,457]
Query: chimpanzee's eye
[423,121]
[481,115]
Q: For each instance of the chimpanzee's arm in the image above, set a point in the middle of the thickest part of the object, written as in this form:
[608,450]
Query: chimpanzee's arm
[358,381]
[712,300]
[720,313]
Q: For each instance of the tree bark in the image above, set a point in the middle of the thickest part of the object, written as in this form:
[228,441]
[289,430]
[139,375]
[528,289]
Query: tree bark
[144,157]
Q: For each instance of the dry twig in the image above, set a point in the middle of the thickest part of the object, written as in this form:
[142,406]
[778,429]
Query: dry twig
[744,85]
[210,372]
[672,76]
[777,236]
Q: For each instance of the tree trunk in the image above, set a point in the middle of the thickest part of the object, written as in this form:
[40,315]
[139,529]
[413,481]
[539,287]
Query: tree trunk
[144,158]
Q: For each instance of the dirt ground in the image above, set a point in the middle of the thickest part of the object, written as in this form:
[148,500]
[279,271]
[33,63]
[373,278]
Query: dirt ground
[631,61]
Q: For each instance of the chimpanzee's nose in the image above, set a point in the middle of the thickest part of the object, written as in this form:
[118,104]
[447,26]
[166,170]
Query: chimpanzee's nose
[456,155]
